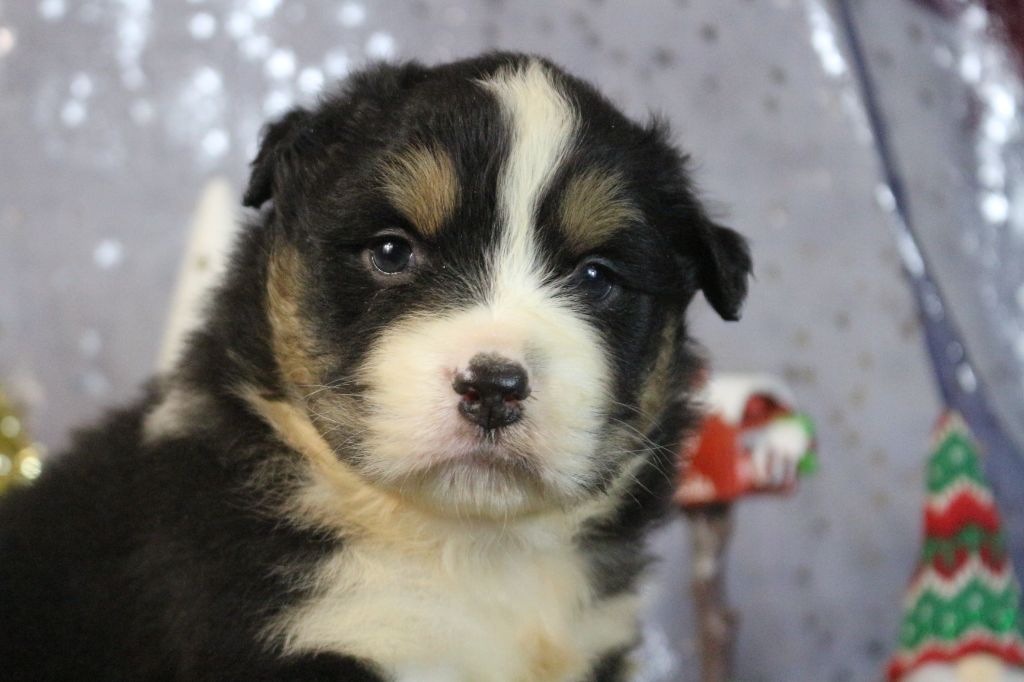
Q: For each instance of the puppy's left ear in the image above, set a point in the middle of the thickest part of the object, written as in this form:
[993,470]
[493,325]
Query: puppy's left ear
[723,267]
[272,161]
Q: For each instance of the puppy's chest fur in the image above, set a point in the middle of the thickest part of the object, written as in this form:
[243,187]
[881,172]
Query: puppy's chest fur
[464,609]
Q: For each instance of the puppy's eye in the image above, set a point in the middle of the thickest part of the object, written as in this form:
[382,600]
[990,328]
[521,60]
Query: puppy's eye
[595,280]
[392,255]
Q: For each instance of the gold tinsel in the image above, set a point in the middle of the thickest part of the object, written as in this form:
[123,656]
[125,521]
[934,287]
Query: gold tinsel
[20,459]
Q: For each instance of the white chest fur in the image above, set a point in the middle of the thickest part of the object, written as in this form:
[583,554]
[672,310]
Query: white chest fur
[468,609]
[432,600]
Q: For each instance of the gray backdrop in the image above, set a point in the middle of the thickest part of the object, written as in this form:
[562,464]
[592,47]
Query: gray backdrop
[114,114]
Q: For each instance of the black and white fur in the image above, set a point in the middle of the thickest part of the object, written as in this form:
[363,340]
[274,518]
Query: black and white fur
[301,499]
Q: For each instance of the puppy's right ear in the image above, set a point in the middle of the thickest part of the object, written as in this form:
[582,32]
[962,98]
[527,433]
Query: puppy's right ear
[273,162]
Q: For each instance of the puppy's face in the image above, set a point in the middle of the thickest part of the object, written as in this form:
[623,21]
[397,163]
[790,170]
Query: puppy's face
[477,281]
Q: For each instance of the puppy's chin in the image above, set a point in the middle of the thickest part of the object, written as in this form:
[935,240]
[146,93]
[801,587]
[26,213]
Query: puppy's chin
[485,481]
[473,486]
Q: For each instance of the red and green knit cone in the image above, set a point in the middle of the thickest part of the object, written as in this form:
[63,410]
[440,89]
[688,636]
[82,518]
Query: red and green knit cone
[961,620]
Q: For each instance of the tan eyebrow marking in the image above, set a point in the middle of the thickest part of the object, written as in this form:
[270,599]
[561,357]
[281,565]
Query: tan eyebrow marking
[421,182]
[594,206]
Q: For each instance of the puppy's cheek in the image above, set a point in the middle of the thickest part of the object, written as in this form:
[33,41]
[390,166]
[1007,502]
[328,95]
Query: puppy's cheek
[411,417]
[573,400]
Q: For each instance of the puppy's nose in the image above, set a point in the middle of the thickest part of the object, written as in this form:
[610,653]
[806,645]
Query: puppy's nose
[492,388]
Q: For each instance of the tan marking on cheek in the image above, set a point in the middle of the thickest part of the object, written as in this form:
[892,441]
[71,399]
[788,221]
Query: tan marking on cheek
[594,207]
[655,391]
[302,362]
[630,436]
[423,185]
[293,343]
[334,496]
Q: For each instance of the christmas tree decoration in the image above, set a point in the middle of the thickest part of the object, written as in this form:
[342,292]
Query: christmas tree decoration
[751,441]
[962,620]
[20,460]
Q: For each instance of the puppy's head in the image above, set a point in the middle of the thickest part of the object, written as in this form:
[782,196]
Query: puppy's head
[477,279]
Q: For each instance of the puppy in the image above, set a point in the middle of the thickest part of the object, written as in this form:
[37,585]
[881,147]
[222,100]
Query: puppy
[433,407]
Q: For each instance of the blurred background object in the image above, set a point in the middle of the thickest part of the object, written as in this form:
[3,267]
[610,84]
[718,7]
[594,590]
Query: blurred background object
[118,114]
[751,442]
[20,460]
[961,617]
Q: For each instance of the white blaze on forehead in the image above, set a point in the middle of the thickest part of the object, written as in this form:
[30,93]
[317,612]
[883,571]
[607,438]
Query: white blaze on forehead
[542,125]
[414,433]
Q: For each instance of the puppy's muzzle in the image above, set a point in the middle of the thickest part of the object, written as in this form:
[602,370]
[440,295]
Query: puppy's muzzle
[492,390]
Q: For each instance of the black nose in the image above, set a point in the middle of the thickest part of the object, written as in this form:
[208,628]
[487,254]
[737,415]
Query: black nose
[492,388]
